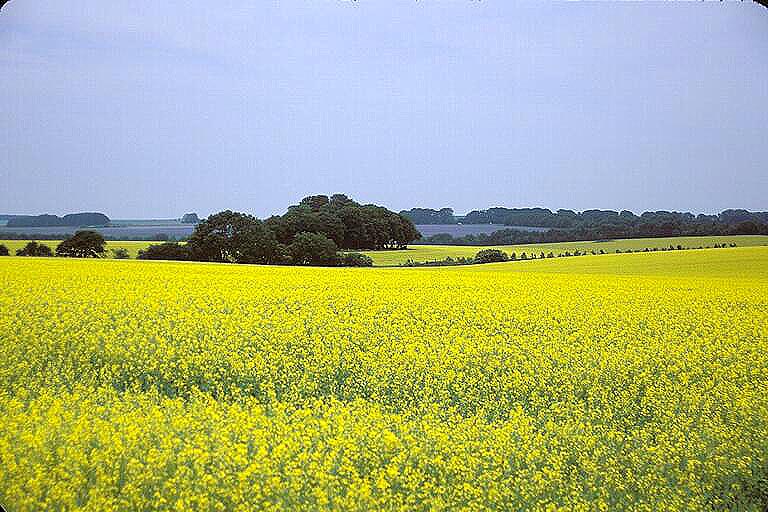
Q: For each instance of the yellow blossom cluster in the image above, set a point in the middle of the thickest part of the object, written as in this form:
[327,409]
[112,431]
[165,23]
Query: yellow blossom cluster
[129,385]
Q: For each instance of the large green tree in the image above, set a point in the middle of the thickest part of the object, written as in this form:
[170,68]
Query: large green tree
[83,244]
[166,251]
[349,224]
[232,237]
[34,249]
[313,249]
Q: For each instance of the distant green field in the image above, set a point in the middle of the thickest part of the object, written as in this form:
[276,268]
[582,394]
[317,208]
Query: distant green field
[439,252]
[730,263]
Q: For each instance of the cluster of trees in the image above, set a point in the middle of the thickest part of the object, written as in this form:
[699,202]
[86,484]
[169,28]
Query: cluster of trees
[233,237]
[190,218]
[83,244]
[604,225]
[535,217]
[320,230]
[317,231]
[350,225]
[33,249]
[70,220]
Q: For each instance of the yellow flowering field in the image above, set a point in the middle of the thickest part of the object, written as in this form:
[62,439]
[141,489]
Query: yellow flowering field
[579,383]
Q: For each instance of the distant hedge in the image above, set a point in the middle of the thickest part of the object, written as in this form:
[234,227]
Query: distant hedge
[69,220]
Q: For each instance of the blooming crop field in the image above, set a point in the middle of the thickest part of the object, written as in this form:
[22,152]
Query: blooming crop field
[633,381]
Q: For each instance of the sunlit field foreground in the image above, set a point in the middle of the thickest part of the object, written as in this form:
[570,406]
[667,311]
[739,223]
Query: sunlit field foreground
[609,382]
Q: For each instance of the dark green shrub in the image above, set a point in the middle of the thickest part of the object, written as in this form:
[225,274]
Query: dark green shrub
[491,256]
[83,244]
[166,251]
[354,259]
[34,249]
[312,249]
[120,253]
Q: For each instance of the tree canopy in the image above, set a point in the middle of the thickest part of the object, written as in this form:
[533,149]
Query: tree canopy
[349,224]
[312,249]
[430,216]
[83,244]
[166,251]
[309,233]
[232,237]
[190,218]
[34,249]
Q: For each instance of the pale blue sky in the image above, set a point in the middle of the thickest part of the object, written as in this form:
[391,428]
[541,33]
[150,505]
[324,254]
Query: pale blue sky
[152,109]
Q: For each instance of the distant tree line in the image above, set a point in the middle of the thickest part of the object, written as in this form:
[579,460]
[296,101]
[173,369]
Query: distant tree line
[569,219]
[190,218]
[430,216]
[606,225]
[70,220]
[499,256]
[155,237]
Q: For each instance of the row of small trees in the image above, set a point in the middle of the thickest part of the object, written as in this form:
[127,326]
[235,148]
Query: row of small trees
[83,244]
[498,256]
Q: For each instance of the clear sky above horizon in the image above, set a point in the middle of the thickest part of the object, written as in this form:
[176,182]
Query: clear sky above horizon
[151,109]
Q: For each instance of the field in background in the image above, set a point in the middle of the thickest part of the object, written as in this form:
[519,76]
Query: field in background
[738,262]
[133,247]
[574,383]
[438,252]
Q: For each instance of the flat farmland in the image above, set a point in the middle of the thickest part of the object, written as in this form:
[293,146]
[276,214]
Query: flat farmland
[439,252]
